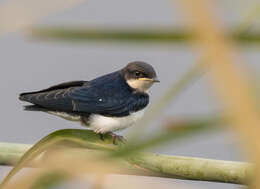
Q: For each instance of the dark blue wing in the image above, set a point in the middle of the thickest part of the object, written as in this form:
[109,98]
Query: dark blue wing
[121,103]
[53,97]
[64,85]
[107,95]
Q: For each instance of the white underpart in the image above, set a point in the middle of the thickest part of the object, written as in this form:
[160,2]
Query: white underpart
[102,124]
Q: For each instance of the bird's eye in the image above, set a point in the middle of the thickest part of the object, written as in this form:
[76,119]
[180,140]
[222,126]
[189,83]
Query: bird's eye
[137,74]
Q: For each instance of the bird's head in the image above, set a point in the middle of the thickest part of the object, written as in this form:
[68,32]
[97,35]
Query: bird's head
[139,75]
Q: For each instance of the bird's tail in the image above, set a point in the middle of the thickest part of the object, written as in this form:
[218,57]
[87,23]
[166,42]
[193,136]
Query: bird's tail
[35,108]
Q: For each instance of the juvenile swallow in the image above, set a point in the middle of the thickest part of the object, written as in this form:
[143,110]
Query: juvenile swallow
[106,104]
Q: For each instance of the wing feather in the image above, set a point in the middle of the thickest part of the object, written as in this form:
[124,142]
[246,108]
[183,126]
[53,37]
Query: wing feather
[111,97]
[64,85]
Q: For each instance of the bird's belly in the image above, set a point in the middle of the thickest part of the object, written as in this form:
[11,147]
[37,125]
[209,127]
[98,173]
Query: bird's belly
[104,124]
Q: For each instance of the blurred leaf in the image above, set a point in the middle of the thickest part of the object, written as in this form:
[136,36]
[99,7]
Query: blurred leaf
[84,138]
[81,34]
[149,35]
[251,17]
[172,132]
[231,81]
[173,91]
[90,140]
[49,180]
[247,38]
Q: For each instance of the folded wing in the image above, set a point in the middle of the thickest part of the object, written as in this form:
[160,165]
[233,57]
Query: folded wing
[78,96]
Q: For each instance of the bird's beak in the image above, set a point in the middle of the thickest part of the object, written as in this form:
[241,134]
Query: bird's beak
[155,80]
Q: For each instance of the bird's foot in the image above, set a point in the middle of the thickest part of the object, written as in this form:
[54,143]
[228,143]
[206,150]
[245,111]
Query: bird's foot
[101,136]
[116,138]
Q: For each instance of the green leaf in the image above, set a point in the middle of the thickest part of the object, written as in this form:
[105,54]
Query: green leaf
[49,180]
[84,138]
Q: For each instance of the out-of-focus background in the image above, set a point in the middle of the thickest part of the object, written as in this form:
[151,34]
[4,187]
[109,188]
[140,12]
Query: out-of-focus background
[28,64]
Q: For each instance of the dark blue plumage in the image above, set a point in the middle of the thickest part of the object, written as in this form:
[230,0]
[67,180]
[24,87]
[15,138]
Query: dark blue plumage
[108,95]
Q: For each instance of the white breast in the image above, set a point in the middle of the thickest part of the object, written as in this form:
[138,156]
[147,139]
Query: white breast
[103,124]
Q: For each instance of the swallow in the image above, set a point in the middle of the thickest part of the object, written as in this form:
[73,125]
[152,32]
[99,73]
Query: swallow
[106,104]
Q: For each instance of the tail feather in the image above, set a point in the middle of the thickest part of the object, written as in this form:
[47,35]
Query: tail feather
[22,97]
[65,115]
[35,108]
[25,96]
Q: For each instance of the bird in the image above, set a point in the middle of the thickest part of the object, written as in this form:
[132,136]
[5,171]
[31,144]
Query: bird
[106,104]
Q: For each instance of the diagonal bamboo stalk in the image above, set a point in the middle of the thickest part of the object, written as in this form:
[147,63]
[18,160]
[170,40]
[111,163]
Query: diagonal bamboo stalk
[149,164]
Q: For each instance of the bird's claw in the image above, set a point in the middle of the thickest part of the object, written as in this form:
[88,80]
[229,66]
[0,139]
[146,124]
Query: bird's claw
[116,138]
[101,136]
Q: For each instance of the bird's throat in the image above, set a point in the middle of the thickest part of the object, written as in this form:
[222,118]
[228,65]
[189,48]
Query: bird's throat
[139,85]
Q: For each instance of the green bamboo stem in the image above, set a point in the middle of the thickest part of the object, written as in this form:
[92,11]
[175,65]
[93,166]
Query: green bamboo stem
[161,165]
[10,153]
[195,168]
[164,35]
